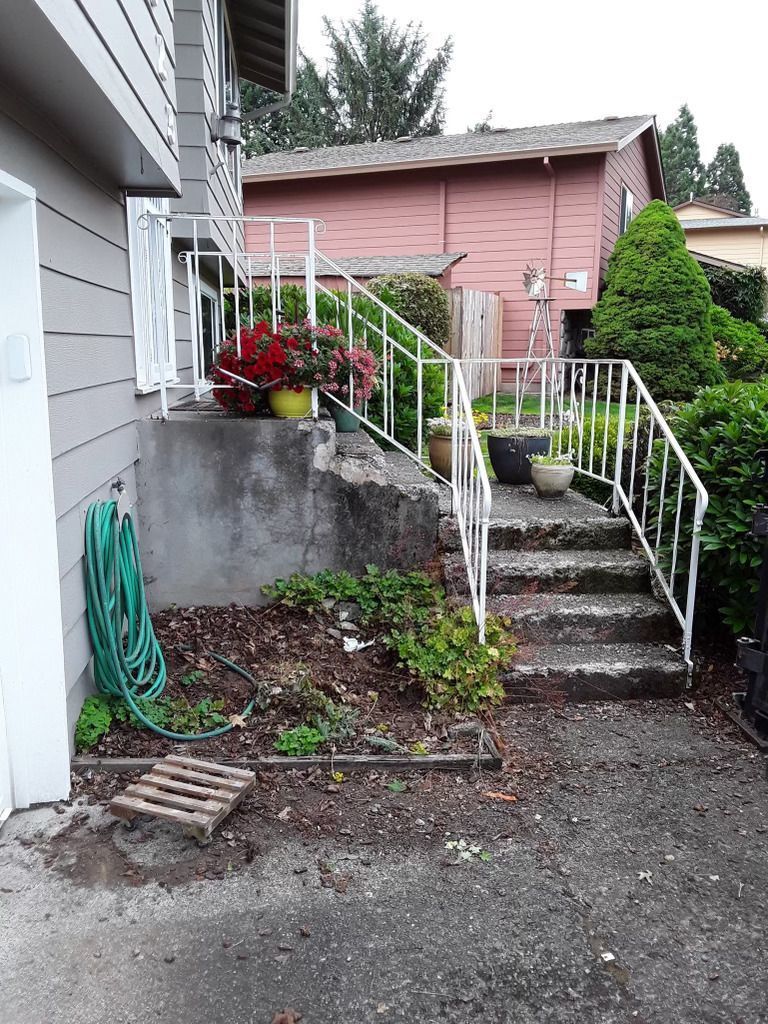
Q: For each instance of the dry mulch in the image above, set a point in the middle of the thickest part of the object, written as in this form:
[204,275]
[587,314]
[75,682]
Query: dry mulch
[283,648]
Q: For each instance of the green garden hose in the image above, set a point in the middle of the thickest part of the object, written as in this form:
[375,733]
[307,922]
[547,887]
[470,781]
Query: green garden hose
[128,661]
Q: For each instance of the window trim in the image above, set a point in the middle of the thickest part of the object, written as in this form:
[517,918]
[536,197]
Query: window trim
[626,208]
[213,294]
[145,294]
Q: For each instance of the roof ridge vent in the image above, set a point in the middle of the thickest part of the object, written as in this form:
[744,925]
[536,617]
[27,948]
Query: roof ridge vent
[404,138]
[301,149]
[497,131]
[611,117]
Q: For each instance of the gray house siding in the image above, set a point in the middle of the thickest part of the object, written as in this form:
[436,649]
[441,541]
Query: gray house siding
[117,60]
[206,186]
[89,347]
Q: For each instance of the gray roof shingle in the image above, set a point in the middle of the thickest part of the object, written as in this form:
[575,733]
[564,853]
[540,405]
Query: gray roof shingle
[597,135]
[431,264]
[724,222]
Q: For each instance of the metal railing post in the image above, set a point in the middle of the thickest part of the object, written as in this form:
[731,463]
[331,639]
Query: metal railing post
[312,299]
[619,437]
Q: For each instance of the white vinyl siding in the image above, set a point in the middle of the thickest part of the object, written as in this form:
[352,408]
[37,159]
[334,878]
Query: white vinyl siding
[149,250]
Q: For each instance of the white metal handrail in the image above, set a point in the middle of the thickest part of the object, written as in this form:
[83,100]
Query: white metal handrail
[230,275]
[580,401]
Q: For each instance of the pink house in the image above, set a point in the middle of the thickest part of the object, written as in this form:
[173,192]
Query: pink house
[479,206]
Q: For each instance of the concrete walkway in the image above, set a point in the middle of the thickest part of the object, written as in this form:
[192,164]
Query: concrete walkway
[628,883]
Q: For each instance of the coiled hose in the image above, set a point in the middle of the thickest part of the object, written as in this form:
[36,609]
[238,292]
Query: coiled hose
[128,661]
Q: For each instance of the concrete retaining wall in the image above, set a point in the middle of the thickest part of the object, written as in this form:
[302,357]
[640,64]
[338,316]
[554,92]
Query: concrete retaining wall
[226,505]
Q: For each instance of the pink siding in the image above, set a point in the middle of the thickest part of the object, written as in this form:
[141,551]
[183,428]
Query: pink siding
[628,167]
[502,215]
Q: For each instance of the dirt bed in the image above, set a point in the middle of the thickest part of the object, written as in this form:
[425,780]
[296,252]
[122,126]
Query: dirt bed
[289,652]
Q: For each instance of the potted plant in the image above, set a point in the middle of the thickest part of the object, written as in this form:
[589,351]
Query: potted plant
[551,475]
[356,366]
[440,445]
[509,451]
[286,364]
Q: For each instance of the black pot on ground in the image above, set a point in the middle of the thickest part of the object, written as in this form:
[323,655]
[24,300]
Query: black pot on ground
[509,453]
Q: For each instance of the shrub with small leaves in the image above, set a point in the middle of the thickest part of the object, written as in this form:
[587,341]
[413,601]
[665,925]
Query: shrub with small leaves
[93,722]
[391,597]
[301,741]
[458,672]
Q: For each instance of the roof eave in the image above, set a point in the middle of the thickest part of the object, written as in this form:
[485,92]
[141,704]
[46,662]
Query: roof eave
[409,165]
[265,35]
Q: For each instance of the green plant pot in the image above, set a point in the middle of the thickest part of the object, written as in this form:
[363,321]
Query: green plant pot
[346,422]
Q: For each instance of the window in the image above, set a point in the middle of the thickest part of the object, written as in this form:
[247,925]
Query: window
[211,322]
[149,253]
[625,213]
[228,90]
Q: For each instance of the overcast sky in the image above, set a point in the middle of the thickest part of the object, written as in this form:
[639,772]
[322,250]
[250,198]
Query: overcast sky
[575,60]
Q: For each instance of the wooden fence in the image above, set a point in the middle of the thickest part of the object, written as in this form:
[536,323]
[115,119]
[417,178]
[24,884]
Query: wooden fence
[476,333]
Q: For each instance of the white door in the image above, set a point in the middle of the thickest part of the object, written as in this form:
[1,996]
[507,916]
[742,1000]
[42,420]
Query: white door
[34,749]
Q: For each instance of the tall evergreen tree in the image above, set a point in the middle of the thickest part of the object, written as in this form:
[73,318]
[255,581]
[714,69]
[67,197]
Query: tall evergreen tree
[680,154]
[380,83]
[725,180]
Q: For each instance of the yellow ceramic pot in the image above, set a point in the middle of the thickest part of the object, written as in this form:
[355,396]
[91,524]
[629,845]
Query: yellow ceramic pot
[289,404]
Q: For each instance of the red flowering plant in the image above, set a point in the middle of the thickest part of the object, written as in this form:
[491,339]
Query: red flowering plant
[356,365]
[295,356]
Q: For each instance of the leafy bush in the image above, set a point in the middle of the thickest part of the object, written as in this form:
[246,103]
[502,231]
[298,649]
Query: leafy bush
[744,293]
[720,431]
[741,346]
[299,742]
[438,646]
[656,308]
[393,597]
[175,714]
[94,721]
[458,672]
[418,299]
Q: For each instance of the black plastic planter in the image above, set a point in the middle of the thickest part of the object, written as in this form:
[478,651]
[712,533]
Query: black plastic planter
[509,456]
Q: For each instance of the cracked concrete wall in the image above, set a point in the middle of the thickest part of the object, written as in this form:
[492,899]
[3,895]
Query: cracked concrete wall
[226,505]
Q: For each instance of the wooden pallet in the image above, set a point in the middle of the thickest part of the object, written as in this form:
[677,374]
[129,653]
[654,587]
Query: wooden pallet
[195,794]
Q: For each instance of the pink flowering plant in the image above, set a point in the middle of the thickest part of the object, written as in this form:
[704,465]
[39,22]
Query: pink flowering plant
[356,366]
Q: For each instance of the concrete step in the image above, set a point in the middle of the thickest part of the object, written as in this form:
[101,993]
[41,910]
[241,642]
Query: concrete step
[583,618]
[554,572]
[595,672]
[520,520]
[546,534]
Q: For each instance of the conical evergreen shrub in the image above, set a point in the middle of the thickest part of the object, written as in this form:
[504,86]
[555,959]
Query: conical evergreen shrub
[656,308]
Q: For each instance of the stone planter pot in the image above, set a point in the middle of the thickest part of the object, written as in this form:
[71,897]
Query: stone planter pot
[551,482]
[441,454]
[288,404]
[509,456]
[346,421]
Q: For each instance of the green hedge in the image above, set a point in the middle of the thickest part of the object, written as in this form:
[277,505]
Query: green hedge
[742,348]
[744,293]
[720,431]
[418,299]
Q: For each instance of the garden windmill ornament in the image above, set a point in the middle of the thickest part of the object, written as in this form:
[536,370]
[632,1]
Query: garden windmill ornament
[541,360]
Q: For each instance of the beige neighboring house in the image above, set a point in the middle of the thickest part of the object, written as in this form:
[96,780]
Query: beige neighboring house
[723,234]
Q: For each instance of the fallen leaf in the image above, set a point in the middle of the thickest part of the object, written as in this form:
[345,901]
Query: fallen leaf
[509,797]
[396,786]
[237,721]
[286,1016]
[645,876]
